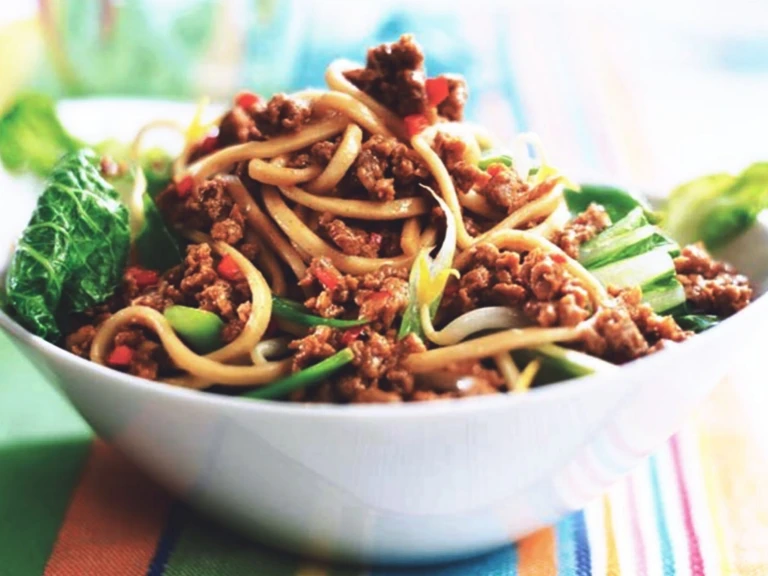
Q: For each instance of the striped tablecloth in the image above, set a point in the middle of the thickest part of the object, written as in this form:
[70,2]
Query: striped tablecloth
[72,506]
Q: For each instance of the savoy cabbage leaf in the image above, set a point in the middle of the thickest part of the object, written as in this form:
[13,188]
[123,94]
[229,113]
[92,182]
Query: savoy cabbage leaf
[73,251]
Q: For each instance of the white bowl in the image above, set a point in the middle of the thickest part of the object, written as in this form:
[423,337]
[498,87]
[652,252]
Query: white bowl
[407,483]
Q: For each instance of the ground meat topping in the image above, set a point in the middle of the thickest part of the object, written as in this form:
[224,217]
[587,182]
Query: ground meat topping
[351,240]
[653,326]
[331,299]
[280,115]
[386,167]
[452,107]
[614,336]
[79,342]
[383,296]
[394,75]
[508,191]
[584,227]
[547,293]
[711,287]
[466,175]
[322,152]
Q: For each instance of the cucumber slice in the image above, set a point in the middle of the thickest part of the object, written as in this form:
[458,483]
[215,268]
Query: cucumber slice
[637,270]
[662,299]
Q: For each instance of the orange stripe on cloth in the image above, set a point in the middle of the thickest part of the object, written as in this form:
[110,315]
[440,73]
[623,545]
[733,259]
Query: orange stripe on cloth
[113,522]
[612,567]
[537,554]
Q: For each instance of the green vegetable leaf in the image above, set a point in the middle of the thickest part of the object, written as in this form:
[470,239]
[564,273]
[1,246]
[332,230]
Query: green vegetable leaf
[715,209]
[697,322]
[73,251]
[32,139]
[617,203]
[157,248]
[495,157]
[311,375]
[296,312]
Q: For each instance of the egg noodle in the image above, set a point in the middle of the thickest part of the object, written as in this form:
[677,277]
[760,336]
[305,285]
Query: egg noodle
[281,222]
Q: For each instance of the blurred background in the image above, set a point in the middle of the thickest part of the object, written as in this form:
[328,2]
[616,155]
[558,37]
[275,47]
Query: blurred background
[645,93]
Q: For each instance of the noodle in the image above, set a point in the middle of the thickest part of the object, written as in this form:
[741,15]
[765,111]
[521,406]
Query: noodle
[203,367]
[539,208]
[268,261]
[222,160]
[554,221]
[410,237]
[264,227]
[445,182]
[138,140]
[354,110]
[525,241]
[334,77]
[276,175]
[313,244]
[429,236]
[508,369]
[361,209]
[340,163]
[478,204]
[486,346]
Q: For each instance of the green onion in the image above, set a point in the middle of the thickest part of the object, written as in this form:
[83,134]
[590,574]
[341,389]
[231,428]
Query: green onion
[697,322]
[199,328]
[298,380]
[495,157]
[639,241]
[296,312]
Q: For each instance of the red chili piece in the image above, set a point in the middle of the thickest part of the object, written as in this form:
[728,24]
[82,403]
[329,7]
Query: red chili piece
[495,168]
[142,276]
[351,335]
[327,278]
[184,186]
[229,270]
[415,123]
[247,99]
[437,90]
[558,258]
[120,357]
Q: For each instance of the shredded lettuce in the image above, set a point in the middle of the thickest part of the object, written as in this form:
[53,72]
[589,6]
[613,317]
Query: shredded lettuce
[715,209]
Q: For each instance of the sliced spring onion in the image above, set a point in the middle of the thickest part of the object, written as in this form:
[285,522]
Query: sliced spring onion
[297,313]
[304,378]
[199,328]
[572,362]
[637,270]
[495,157]
[267,349]
[527,376]
[697,322]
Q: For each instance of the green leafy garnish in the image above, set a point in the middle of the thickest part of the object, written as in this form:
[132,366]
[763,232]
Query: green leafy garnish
[296,312]
[157,248]
[715,209]
[32,138]
[312,375]
[495,157]
[697,322]
[72,254]
[617,202]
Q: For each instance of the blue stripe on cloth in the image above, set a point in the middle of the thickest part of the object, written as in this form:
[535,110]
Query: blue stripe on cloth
[168,539]
[502,562]
[665,544]
[574,556]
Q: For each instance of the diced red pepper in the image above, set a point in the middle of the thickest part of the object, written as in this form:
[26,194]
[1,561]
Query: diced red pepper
[351,335]
[437,90]
[558,258]
[184,186]
[246,99]
[142,276]
[327,278]
[415,123]
[229,270]
[495,168]
[120,357]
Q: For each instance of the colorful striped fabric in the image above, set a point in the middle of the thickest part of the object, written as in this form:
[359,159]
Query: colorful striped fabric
[74,506]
